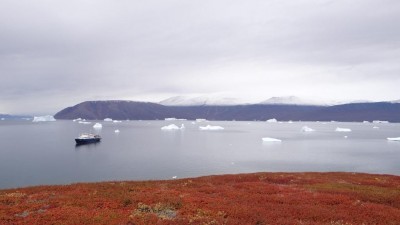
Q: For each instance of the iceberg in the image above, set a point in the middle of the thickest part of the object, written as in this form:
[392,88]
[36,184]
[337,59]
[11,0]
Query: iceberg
[3,118]
[117,121]
[47,118]
[393,139]
[84,122]
[268,139]
[290,121]
[172,127]
[380,121]
[307,129]
[97,126]
[116,131]
[273,120]
[375,127]
[78,119]
[172,118]
[108,120]
[365,121]
[209,127]
[201,120]
[339,129]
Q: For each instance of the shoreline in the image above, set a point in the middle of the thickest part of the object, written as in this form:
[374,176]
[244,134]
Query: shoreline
[254,198]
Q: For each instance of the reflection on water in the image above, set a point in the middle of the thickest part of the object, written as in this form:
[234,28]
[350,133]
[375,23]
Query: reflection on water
[47,153]
[86,146]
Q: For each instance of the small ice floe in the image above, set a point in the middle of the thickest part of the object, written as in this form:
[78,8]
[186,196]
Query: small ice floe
[47,118]
[201,120]
[307,129]
[290,121]
[77,119]
[332,121]
[117,121]
[172,127]
[3,118]
[375,127]
[108,120]
[84,122]
[339,129]
[273,120]
[171,119]
[174,177]
[380,121]
[97,126]
[193,122]
[365,121]
[116,131]
[209,127]
[346,137]
[268,139]
[393,139]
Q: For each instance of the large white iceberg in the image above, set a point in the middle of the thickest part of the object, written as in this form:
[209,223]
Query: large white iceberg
[97,126]
[394,139]
[108,120]
[47,118]
[273,120]
[269,139]
[307,129]
[339,129]
[173,127]
[209,127]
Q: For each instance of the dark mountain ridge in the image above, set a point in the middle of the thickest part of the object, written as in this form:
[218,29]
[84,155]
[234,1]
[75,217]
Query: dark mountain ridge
[124,110]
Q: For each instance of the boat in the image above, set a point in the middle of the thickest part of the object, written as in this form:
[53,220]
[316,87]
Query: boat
[87,139]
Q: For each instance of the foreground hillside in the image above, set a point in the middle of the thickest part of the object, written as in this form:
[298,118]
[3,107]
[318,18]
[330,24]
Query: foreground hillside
[260,198]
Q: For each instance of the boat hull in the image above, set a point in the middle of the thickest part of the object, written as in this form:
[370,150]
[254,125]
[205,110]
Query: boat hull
[86,141]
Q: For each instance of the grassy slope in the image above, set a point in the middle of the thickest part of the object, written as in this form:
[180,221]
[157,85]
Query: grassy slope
[261,198]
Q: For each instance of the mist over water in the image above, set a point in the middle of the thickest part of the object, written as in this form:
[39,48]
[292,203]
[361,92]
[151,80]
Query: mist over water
[45,153]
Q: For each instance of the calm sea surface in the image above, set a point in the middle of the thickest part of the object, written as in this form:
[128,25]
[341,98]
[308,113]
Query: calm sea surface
[45,153]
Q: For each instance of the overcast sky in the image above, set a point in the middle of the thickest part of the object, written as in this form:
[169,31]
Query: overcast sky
[56,53]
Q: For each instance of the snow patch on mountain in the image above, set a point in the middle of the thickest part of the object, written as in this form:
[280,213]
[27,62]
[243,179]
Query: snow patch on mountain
[289,100]
[201,100]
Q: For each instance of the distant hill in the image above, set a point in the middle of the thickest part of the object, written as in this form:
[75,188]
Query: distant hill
[123,110]
[13,117]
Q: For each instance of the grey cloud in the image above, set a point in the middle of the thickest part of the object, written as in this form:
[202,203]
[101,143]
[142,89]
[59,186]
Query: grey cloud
[63,52]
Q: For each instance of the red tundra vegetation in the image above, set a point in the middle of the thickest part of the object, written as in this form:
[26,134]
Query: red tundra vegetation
[256,199]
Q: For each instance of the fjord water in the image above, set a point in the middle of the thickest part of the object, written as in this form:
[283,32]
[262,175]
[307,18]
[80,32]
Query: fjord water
[45,153]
